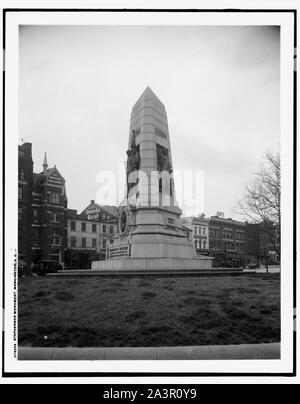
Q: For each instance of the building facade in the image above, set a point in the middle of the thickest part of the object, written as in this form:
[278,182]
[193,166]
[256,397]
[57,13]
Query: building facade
[25,183]
[234,243]
[49,216]
[42,209]
[263,242]
[227,241]
[199,232]
[89,234]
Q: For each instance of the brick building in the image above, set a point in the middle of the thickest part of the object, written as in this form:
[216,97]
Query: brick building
[262,242]
[25,182]
[227,241]
[200,232]
[42,208]
[49,216]
[89,234]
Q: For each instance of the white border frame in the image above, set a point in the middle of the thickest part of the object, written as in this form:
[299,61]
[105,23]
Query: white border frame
[286,21]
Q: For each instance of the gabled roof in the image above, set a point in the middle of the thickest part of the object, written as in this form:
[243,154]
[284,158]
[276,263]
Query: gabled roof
[72,213]
[112,210]
[51,171]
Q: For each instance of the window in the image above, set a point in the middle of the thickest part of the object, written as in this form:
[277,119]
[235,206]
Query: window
[35,215]
[83,242]
[160,185]
[35,238]
[94,243]
[94,228]
[83,226]
[56,218]
[73,226]
[73,241]
[111,229]
[55,197]
[22,174]
[103,243]
[104,229]
[20,193]
[20,213]
[56,238]
[171,220]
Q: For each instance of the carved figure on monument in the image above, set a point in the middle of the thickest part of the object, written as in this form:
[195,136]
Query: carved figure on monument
[163,162]
[133,160]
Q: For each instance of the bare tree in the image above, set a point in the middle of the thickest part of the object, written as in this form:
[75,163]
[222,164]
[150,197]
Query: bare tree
[261,199]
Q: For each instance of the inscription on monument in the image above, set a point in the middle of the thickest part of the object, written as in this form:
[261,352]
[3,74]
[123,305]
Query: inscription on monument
[160,133]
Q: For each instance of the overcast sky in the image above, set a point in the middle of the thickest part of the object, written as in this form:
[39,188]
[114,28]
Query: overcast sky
[220,87]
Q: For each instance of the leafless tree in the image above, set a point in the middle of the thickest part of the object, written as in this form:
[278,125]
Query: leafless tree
[261,200]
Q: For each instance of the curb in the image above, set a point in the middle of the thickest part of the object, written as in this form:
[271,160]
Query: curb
[208,352]
[156,273]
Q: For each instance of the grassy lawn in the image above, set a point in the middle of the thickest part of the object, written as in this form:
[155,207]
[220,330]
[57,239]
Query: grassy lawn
[149,311]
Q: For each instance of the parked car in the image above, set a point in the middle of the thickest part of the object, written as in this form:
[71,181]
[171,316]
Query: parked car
[46,266]
[252,265]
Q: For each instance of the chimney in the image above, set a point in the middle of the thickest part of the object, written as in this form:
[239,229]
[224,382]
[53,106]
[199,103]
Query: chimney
[93,201]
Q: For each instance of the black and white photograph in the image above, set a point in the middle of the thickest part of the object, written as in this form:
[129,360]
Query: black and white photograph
[149,162]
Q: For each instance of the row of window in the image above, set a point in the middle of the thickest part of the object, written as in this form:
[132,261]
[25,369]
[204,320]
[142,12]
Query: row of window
[201,244]
[54,196]
[105,228]
[227,246]
[54,241]
[54,217]
[84,244]
[200,230]
[55,238]
[22,174]
[226,234]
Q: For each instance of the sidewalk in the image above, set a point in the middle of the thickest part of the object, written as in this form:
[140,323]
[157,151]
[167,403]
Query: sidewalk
[208,352]
[262,270]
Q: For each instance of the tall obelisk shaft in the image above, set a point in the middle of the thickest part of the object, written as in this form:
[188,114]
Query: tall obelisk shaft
[149,128]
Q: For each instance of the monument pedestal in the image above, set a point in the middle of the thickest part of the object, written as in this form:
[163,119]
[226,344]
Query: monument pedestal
[153,264]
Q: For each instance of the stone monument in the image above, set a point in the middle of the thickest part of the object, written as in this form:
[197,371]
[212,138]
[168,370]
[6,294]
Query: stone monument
[150,232]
